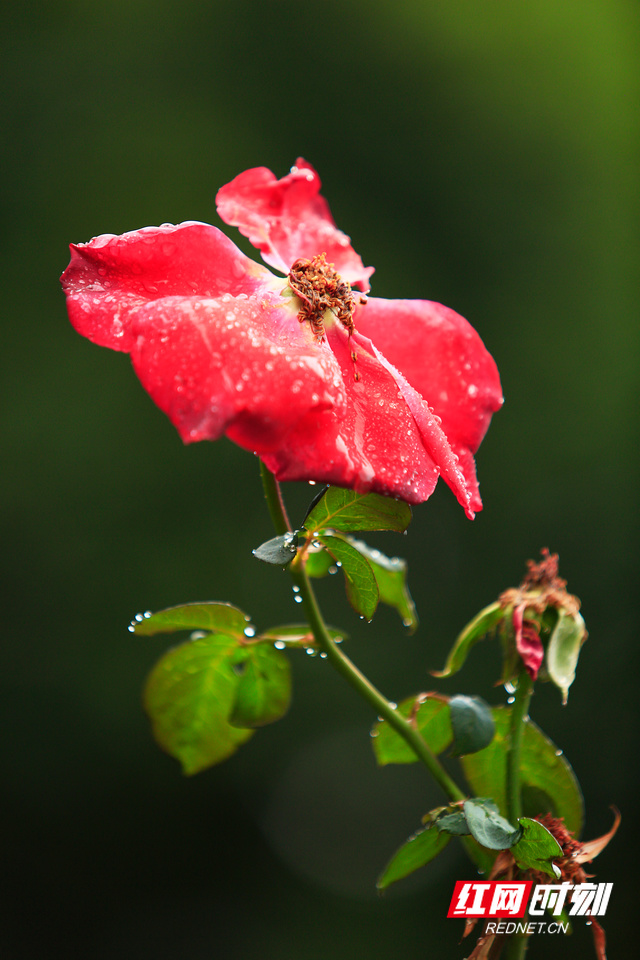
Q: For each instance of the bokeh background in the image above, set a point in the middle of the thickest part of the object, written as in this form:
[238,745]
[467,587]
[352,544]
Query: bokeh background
[484,154]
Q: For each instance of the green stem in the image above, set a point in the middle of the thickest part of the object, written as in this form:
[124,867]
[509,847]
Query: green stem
[347,669]
[519,712]
[275,503]
[366,689]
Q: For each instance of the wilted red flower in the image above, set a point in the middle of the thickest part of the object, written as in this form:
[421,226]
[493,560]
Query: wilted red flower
[574,854]
[541,589]
[323,385]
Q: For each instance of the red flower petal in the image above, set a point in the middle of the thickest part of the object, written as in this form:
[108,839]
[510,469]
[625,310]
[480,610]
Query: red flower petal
[221,349]
[287,219]
[528,642]
[444,359]
[235,354]
[244,366]
[110,277]
[433,437]
[374,444]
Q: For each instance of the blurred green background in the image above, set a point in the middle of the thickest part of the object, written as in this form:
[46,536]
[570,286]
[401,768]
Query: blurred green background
[484,154]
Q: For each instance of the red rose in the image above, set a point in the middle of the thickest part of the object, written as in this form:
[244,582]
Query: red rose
[380,395]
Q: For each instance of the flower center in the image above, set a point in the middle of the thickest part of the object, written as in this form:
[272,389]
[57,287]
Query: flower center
[319,289]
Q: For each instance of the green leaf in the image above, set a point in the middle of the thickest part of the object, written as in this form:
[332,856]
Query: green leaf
[298,634]
[263,692]
[319,563]
[360,582]
[487,802]
[189,696]
[432,718]
[279,550]
[488,827]
[391,577]
[453,823]
[475,630]
[543,770]
[472,724]
[536,848]
[213,617]
[347,510]
[564,649]
[419,849]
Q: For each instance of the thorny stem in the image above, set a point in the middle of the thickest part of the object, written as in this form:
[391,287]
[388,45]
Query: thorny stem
[519,712]
[344,666]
